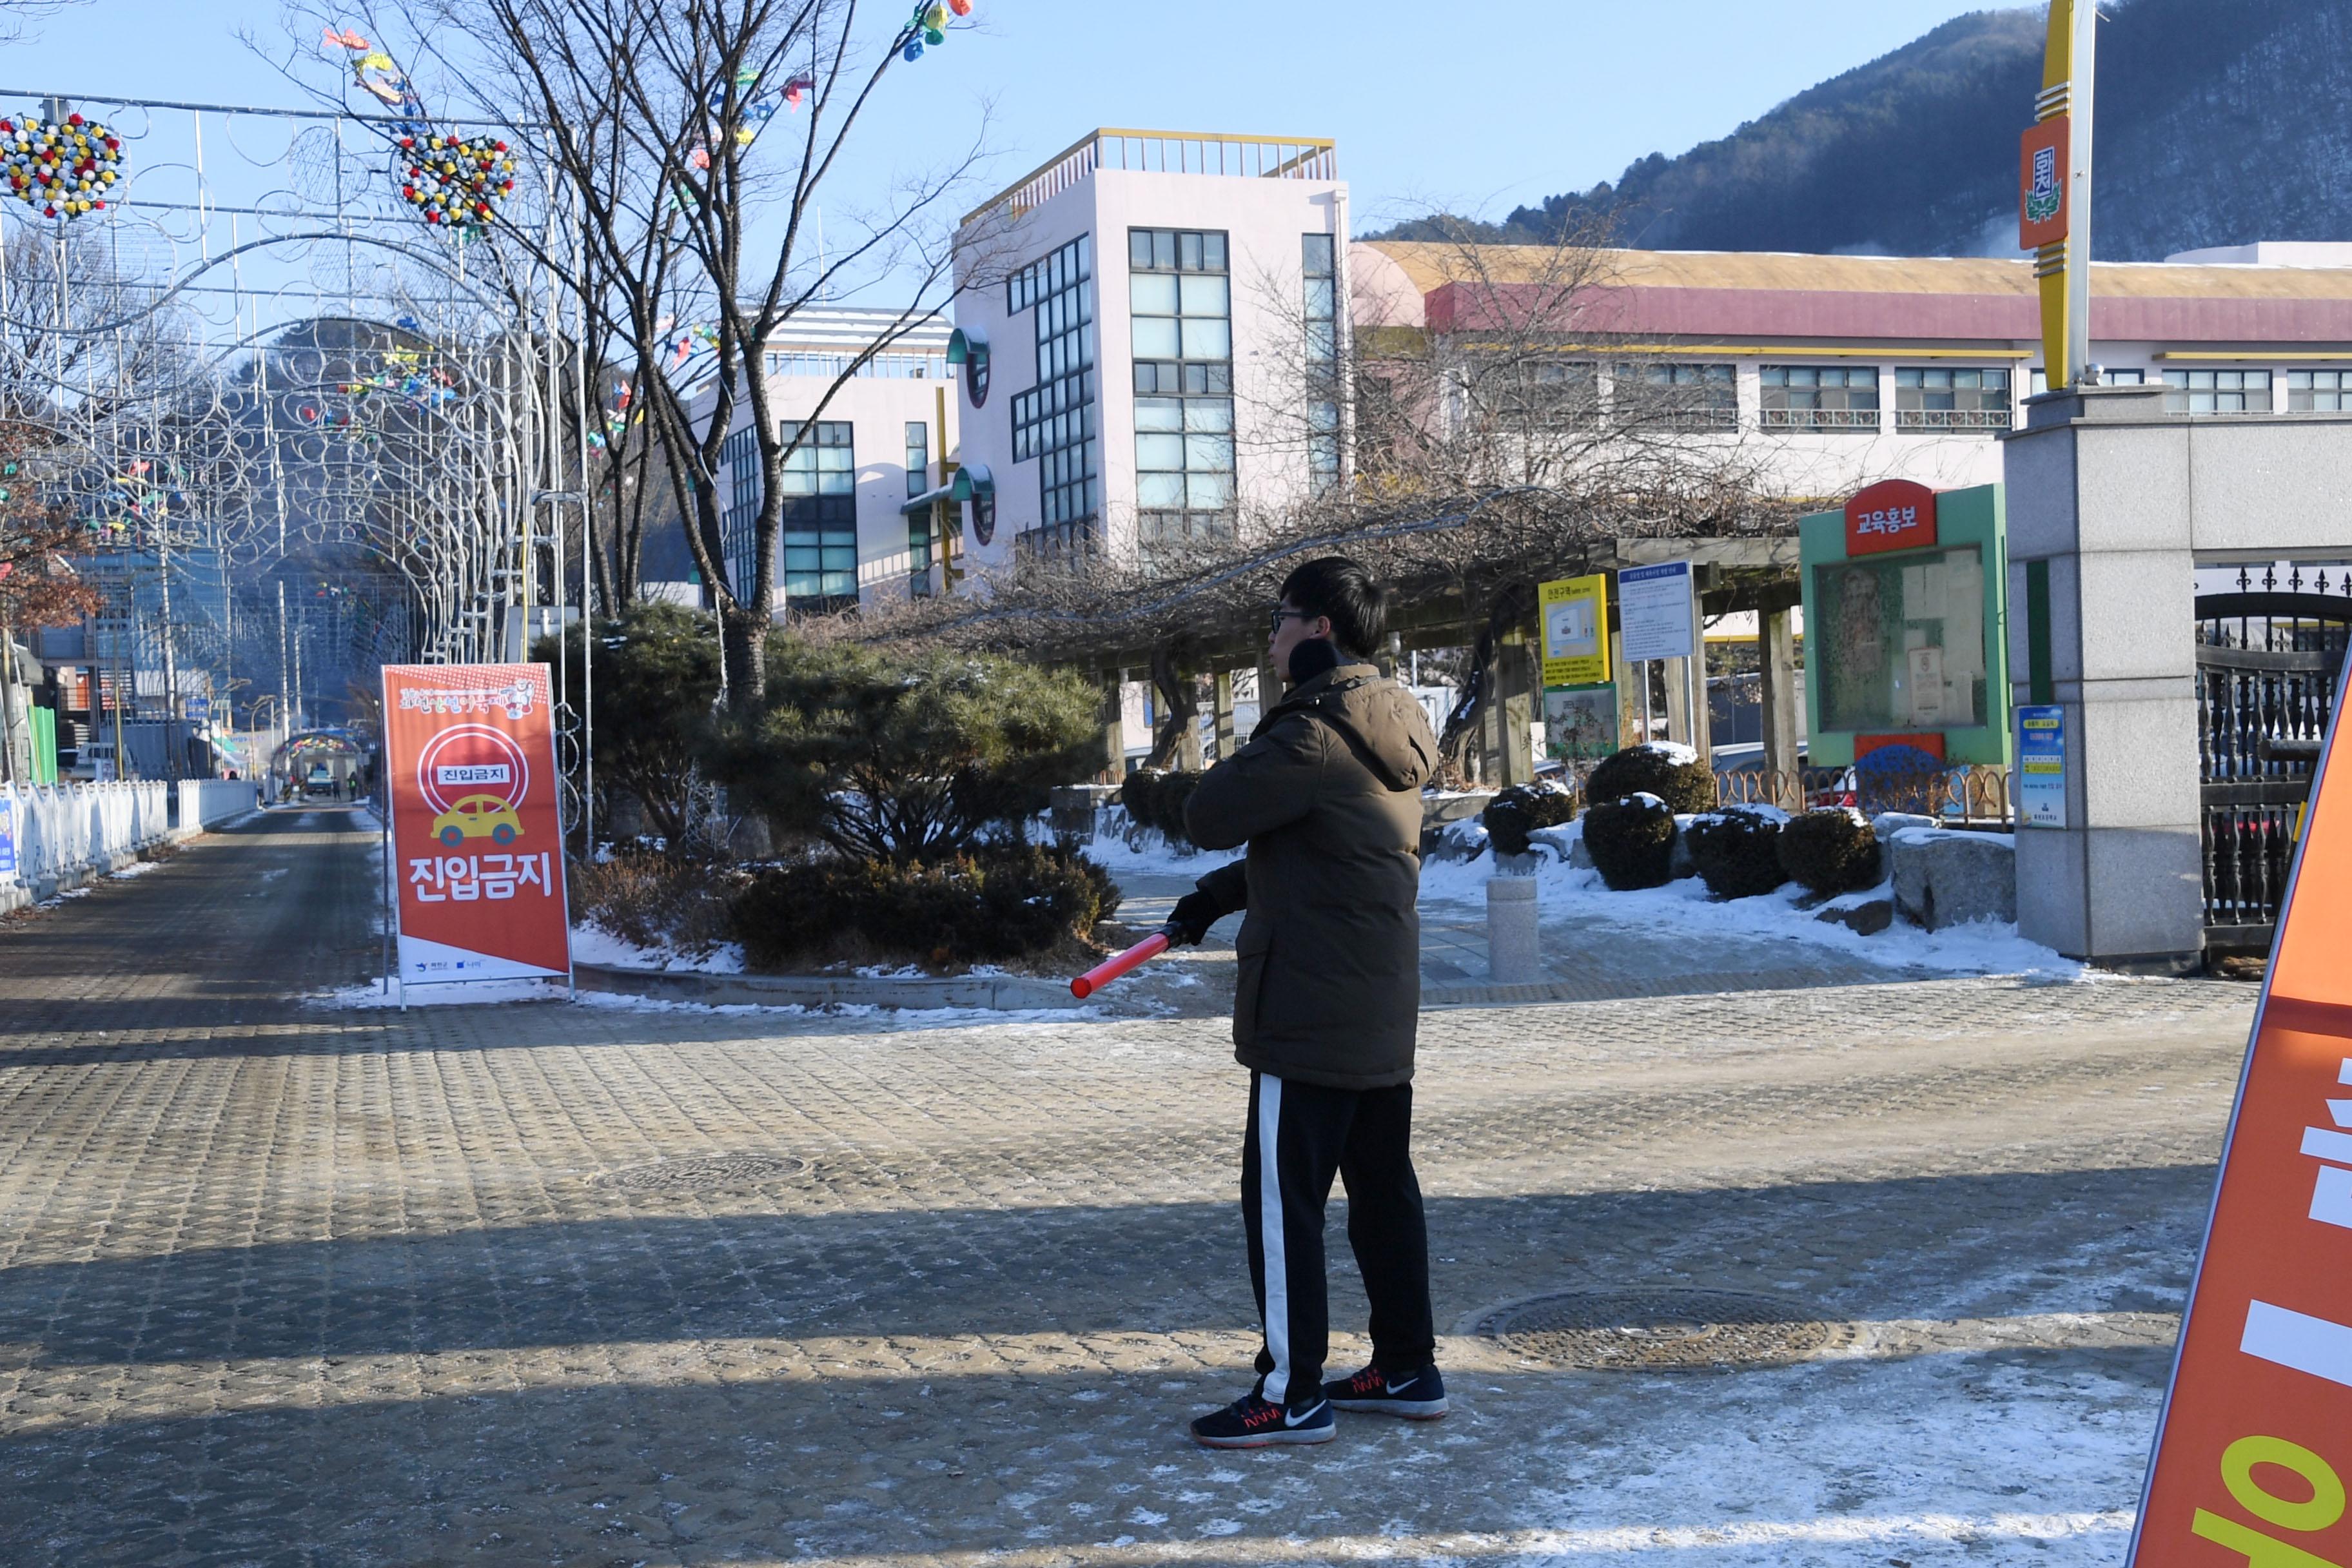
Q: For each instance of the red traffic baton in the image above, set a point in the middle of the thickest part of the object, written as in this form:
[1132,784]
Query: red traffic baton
[1111,968]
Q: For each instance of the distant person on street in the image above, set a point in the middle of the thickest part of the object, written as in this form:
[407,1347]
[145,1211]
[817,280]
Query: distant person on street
[1327,794]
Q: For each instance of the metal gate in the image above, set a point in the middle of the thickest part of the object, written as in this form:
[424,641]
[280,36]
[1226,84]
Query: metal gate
[2267,658]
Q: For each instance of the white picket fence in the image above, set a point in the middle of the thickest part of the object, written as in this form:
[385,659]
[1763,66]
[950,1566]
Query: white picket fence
[206,802]
[66,835]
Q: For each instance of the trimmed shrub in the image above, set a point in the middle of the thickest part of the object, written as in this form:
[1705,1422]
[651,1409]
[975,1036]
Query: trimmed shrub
[1631,842]
[1155,797]
[1520,810]
[1000,901]
[1830,849]
[1738,850]
[1672,773]
[1140,794]
[1169,801]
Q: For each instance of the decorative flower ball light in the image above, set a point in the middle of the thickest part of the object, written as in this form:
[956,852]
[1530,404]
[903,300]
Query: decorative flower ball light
[930,23]
[455,180]
[63,168]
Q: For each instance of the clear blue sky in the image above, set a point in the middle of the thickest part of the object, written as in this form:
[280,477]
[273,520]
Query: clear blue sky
[1476,104]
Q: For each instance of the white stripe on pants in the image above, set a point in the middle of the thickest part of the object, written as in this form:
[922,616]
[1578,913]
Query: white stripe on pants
[1269,1213]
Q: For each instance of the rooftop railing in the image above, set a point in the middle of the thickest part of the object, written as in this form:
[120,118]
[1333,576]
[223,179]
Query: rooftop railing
[1166,153]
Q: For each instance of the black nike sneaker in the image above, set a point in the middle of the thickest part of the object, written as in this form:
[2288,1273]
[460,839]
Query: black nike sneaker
[1421,1397]
[1251,1422]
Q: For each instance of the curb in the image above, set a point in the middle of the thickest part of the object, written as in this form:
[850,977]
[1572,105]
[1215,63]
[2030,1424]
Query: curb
[1004,993]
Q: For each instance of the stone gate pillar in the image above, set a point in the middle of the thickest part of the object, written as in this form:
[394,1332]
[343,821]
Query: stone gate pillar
[2102,623]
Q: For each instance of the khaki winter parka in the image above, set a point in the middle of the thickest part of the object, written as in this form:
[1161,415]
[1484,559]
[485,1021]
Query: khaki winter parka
[1327,794]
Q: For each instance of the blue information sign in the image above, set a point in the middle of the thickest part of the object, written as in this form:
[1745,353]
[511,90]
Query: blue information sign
[8,837]
[2041,766]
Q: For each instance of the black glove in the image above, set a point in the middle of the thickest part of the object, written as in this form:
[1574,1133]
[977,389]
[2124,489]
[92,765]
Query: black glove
[1195,913]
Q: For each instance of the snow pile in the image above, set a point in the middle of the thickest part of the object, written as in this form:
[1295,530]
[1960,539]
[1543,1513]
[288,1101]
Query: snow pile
[1674,752]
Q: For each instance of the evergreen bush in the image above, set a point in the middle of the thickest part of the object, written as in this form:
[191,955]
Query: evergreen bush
[1000,901]
[1672,773]
[1737,850]
[1140,796]
[1830,849]
[1521,809]
[1631,841]
[908,756]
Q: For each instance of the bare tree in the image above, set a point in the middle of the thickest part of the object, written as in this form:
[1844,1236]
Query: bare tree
[682,150]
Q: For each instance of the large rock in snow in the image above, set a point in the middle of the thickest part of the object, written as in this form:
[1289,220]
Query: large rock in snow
[1945,878]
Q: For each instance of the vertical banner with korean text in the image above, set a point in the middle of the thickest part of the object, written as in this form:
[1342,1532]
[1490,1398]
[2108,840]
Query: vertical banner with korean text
[2254,1450]
[477,832]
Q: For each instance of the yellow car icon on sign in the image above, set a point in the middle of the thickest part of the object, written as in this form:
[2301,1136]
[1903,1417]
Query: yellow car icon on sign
[476,817]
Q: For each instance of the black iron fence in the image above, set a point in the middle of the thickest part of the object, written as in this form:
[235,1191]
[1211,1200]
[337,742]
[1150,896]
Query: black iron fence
[2267,662]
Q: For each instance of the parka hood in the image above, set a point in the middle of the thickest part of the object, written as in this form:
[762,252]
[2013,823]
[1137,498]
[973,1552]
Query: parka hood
[1381,721]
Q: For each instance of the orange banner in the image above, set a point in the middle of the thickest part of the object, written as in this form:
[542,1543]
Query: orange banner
[2255,1444]
[477,832]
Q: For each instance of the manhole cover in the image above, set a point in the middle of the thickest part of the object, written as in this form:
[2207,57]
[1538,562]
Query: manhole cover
[703,1172]
[1662,1330]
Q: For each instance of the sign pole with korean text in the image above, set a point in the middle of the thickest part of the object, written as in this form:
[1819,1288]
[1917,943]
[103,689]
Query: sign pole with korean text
[2255,1441]
[1657,617]
[476,823]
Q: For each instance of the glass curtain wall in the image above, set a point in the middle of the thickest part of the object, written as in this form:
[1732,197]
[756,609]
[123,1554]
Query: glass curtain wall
[820,520]
[1054,421]
[1321,267]
[1179,295]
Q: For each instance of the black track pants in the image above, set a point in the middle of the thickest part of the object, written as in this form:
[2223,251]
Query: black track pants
[1303,1134]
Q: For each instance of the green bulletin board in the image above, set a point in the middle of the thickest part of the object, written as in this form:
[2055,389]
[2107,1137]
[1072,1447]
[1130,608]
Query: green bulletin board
[1909,642]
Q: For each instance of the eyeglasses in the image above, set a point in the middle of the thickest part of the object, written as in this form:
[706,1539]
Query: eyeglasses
[1282,615]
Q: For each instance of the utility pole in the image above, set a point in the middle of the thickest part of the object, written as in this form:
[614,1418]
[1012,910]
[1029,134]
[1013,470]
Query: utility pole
[285,686]
[171,747]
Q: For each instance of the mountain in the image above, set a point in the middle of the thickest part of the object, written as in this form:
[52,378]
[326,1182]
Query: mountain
[2220,121]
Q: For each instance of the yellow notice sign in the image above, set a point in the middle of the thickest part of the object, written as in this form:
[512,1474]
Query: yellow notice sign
[1575,630]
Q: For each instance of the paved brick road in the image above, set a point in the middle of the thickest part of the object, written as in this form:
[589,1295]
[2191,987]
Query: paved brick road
[286,1284]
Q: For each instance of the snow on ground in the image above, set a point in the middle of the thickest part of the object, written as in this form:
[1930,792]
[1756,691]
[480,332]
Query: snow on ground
[1680,909]
[593,943]
[1936,1459]
[1685,909]
[1152,856]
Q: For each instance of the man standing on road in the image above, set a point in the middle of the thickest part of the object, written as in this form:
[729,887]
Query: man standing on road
[1327,794]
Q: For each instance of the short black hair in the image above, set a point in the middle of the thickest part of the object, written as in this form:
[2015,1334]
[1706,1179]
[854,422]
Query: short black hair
[1335,586]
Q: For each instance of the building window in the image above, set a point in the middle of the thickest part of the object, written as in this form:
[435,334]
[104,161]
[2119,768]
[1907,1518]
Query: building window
[1180,299]
[1054,421]
[819,520]
[919,457]
[1818,396]
[739,455]
[2037,380]
[1933,398]
[2319,391]
[2217,392]
[885,366]
[1319,255]
[918,524]
[1682,397]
